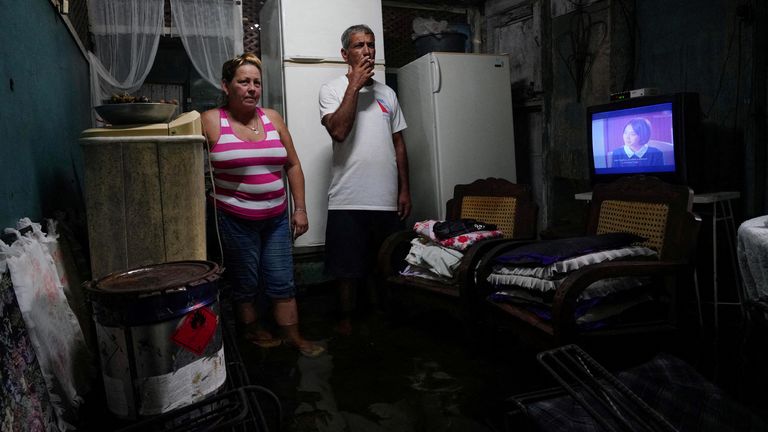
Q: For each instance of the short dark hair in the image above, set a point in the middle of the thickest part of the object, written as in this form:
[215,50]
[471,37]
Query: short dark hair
[347,35]
[642,128]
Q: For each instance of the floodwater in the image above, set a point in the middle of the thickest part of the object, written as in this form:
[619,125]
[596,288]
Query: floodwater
[412,373]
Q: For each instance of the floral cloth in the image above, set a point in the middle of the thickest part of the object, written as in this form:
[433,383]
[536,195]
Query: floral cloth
[24,400]
[460,242]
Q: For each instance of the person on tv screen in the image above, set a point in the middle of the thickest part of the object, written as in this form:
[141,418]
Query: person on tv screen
[636,151]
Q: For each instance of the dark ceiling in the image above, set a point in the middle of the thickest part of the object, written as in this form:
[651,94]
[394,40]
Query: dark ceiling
[448,3]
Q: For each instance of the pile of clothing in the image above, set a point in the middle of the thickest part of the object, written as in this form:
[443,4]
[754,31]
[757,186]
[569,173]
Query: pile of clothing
[437,250]
[529,275]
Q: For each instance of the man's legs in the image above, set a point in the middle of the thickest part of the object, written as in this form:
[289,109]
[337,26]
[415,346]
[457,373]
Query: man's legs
[347,293]
[345,257]
[352,241]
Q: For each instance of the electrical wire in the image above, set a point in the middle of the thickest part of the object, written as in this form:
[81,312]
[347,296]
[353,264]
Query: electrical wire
[213,191]
[630,20]
[738,78]
[725,65]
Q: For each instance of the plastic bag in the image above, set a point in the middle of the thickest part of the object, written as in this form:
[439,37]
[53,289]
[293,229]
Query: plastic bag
[53,328]
[427,26]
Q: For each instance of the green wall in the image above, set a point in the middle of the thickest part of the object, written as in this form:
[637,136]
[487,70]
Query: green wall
[44,105]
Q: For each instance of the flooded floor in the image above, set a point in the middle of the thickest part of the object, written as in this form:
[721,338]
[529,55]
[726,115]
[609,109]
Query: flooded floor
[414,373]
[420,371]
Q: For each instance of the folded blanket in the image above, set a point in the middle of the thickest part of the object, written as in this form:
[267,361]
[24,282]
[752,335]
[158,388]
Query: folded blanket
[460,242]
[419,272]
[433,257]
[557,269]
[550,251]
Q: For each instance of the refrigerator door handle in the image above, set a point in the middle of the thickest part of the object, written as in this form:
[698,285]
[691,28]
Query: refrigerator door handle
[436,82]
[303,59]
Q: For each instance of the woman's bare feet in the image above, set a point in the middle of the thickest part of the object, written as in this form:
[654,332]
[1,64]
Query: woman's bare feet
[251,329]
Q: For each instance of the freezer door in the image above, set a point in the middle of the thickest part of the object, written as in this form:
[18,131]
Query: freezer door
[414,84]
[312,142]
[473,119]
[272,57]
[312,29]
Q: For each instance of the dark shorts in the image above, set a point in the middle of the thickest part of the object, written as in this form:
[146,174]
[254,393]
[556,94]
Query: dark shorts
[353,239]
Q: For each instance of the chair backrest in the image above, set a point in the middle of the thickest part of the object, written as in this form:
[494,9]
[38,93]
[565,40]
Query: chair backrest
[507,205]
[648,207]
[499,211]
[645,219]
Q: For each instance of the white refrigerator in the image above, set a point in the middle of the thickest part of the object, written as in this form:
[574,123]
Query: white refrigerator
[459,113]
[301,50]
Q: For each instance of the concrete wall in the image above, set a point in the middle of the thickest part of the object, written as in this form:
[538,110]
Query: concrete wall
[45,97]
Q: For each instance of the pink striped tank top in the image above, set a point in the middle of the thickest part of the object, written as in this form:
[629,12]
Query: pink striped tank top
[248,175]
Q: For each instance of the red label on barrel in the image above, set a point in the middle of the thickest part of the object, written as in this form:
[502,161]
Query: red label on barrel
[197,330]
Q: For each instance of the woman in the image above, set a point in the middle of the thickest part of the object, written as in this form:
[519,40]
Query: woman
[636,151]
[249,149]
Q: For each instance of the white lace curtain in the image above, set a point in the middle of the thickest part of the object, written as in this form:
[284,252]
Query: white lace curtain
[125,38]
[126,35]
[212,33]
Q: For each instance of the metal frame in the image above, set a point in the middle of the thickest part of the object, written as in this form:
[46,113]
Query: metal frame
[612,404]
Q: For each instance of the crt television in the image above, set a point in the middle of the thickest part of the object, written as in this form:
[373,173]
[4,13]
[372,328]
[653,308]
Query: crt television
[645,135]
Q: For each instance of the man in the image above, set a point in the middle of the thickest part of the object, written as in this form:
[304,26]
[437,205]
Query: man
[369,195]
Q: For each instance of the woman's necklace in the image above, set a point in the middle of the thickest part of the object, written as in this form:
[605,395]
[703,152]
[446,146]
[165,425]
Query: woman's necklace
[255,128]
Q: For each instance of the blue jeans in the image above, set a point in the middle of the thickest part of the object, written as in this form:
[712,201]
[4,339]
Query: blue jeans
[258,258]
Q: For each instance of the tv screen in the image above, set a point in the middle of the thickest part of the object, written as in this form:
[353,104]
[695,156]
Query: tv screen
[639,136]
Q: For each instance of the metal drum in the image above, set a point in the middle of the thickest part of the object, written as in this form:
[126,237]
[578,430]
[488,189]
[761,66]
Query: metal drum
[159,336]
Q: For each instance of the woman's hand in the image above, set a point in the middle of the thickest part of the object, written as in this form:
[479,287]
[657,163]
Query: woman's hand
[299,222]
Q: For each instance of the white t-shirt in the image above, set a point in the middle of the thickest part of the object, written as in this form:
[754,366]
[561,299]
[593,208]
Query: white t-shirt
[364,170]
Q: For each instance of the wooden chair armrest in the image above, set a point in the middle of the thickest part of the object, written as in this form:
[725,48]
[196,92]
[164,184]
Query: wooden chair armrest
[465,275]
[393,251]
[564,302]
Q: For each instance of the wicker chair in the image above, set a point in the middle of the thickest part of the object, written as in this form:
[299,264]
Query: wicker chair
[495,201]
[640,205]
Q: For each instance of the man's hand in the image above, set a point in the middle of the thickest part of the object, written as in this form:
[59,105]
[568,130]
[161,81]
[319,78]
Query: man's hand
[360,73]
[403,204]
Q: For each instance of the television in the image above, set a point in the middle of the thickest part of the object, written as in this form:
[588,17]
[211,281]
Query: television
[645,135]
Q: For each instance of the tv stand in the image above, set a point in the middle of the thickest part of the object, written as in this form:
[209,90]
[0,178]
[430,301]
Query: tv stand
[718,205]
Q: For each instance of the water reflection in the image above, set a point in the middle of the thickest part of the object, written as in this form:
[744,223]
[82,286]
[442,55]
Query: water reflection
[429,400]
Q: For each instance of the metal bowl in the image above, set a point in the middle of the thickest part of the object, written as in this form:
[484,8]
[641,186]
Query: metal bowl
[136,113]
